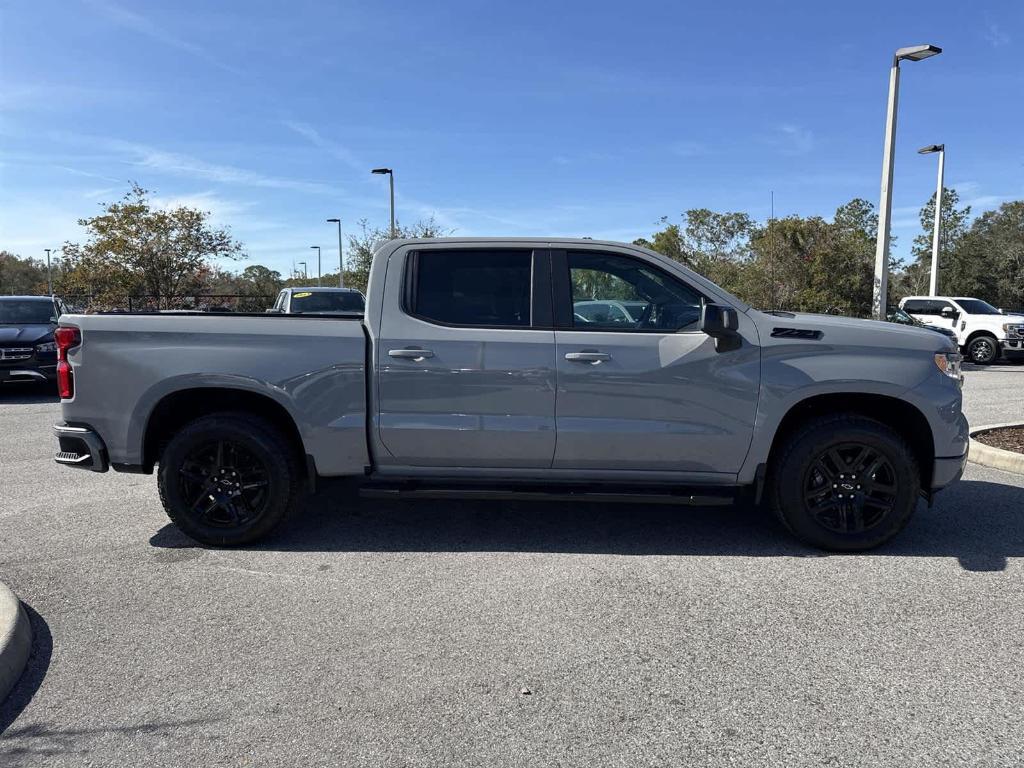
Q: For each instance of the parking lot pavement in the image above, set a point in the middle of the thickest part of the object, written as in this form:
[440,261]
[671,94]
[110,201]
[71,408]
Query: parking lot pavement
[405,634]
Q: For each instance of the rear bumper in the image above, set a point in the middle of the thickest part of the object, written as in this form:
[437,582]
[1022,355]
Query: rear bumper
[80,447]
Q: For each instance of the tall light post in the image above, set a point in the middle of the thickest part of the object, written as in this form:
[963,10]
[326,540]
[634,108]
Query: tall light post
[318,272]
[341,259]
[391,178]
[913,53]
[305,275]
[49,280]
[933,283]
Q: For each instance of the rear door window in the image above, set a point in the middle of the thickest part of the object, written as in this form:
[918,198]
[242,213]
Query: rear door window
[472,288]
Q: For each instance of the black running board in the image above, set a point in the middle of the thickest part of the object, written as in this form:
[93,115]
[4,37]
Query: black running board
[705,497]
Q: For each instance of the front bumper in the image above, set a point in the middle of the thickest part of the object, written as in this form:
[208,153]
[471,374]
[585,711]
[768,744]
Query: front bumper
[80,447]
[1012,347]
[947,471]
[28,372]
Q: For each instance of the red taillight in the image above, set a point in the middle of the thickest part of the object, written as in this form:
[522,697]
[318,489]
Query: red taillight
[66,337]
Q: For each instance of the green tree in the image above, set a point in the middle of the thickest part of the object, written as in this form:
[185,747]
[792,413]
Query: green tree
[362,244]
[989,259]
[134,248]
[955,221]
[717,245]
[22,276]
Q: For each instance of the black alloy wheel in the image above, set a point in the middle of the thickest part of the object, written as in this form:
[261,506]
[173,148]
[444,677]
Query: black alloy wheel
[844,482]
[850,488]
[229,478]
[227,484]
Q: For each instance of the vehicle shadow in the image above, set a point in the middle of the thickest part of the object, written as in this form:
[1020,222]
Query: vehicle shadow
[28,393]
[35,670]
[979,523]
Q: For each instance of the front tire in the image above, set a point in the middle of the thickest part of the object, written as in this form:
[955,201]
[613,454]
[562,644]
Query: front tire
[845,483]
[228,479]
[983,350]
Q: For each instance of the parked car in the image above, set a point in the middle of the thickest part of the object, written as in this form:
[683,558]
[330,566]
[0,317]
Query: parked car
[471,376]
[897,315]
[27,348]
[982,331]
[318,301]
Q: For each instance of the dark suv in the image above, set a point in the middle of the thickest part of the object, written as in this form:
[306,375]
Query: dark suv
[27,349]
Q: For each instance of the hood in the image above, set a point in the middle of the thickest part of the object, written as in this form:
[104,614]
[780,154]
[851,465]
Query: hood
[838,330]
[25,334]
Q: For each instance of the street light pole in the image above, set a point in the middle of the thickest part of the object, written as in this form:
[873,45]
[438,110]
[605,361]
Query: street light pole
[933,283]
[305,275]
[881,288]
[49,280]
[318,271]
[391,180]
[341,258]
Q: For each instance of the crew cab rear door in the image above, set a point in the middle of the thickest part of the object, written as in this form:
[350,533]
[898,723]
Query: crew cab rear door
[465,359]
[650,393]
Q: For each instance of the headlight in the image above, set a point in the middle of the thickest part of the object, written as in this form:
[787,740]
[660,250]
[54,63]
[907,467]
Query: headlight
[949,364]
[1013,329]
[50,346]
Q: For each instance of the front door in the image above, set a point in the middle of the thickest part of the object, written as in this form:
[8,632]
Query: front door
[466,359]
[639,386]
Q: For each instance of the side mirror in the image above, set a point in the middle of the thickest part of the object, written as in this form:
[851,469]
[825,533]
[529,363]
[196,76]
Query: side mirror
[948,312]
[722,324]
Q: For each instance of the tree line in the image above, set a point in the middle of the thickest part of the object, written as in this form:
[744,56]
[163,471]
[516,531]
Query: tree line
[170,258]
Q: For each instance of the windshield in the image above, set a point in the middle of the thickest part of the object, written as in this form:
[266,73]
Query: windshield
[25,312]
[977,307]
[899,316]
[326,301]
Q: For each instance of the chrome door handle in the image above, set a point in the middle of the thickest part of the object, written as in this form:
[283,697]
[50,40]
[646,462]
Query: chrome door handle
[411,353]
[587,356]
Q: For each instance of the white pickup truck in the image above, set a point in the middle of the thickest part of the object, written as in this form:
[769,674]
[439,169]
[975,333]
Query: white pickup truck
[982,331]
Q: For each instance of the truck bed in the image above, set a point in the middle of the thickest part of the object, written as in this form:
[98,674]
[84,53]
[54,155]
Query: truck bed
[312,367]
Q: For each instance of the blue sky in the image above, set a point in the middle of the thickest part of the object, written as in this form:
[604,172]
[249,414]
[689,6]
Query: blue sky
[527,118]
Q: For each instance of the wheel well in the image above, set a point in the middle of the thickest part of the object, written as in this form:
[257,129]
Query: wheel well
[976,334]
[897,414]
[177,409]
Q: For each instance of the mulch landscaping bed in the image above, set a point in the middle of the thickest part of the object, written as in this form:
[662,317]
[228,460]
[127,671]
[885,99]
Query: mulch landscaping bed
[1007,438]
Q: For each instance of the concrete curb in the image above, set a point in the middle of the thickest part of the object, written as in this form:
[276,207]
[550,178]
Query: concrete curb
[15,640]
[997,458]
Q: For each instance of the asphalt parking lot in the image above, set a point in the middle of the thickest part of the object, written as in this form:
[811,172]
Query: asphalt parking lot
[405,634]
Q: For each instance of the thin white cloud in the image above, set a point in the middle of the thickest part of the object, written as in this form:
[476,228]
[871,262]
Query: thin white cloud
[687,148]
[87,174]
[334,149]
[148,28]
[794,139]
[994,34]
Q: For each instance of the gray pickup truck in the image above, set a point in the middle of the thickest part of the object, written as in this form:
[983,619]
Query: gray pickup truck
[480,370]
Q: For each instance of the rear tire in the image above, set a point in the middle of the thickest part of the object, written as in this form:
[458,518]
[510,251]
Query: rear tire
[228,479]
[845,483]
[983,350]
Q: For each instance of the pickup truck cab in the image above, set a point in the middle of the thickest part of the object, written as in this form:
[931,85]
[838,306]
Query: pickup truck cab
[982,331]
[472,375]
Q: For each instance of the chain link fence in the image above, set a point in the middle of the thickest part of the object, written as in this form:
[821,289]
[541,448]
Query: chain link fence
[207,302]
